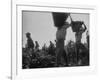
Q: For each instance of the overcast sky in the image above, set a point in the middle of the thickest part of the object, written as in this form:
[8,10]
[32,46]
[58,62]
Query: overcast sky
[41,27]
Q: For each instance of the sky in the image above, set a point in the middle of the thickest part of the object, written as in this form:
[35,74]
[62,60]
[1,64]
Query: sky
[42,29]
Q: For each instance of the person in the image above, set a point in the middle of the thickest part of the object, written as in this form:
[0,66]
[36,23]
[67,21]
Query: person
[51,45]
[36,45]
[79,33]
[30,43]
[44,47]
[60,38]
[79,45]
[51,49]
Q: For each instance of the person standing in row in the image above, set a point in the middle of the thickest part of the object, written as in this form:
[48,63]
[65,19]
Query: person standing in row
[30,43]
[60,38]
[79,45]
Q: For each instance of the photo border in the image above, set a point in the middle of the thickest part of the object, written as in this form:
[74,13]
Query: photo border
[14,60]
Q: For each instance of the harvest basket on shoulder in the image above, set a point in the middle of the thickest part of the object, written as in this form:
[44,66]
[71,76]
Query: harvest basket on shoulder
[76,25]
[59,18]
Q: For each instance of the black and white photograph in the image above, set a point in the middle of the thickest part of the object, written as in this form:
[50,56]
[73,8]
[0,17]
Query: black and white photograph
[55,39]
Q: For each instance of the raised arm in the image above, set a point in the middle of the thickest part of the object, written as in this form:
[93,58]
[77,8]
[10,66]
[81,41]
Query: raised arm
[84,27]
[70,18]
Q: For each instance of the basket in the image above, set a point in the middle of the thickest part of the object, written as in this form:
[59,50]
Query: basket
[76,25]
[59,18]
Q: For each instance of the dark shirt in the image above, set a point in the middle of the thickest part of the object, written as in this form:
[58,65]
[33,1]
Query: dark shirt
[30,43]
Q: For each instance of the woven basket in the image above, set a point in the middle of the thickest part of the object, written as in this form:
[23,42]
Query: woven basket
[59,18]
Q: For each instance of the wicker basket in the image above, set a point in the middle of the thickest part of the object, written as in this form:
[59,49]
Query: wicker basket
[76,25]
[59,18]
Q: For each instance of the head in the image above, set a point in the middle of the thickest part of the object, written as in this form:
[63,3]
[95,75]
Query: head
[36,42]
[55,40]
[50,42]
[28,35]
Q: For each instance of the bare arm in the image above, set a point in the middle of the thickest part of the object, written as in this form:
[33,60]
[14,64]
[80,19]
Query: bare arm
[84,27]
[70,18]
